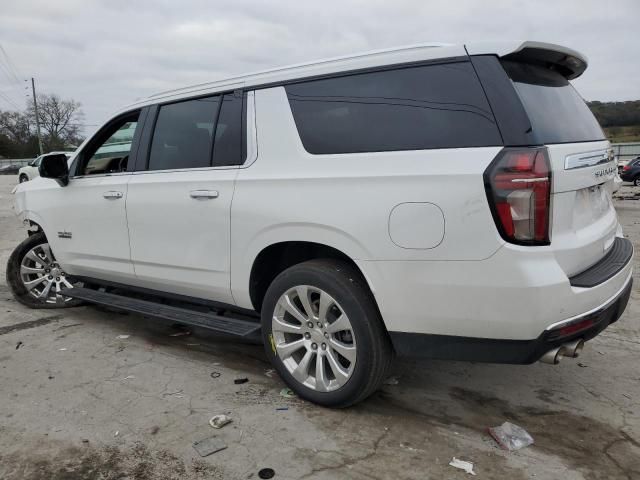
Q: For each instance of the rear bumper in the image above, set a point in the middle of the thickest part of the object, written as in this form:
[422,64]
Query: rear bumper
[511,351]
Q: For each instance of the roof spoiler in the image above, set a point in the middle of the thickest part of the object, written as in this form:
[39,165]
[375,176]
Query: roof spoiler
[569,63]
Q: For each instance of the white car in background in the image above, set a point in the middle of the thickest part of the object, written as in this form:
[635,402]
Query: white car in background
[30,171]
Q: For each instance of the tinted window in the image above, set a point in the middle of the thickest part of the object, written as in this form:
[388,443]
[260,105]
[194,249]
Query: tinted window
[228,146]
[109,152]
[558,114]
[183,134]
[435,106]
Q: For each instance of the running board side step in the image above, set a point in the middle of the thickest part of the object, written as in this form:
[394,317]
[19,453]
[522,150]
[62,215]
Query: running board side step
[218,323]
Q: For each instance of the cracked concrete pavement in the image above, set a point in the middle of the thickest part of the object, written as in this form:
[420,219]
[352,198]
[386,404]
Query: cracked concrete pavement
[78,402]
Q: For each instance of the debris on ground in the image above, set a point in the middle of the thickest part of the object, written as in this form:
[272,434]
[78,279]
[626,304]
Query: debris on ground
[391,381]
[219,421]
[85,440]
[129,377]
[266,473]
[19,344]
[123,337]
[176,394]
[511,437]
[582,365]
[269,373]
[282,408]
[117,433]
[62,349]
[180,334]
[210,445]
[239,381]
[626,395]
[462,465]
[215,374]
[287,393]
[408,447]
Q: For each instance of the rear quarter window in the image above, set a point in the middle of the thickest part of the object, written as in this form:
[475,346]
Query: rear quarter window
[411,108]
[557,112]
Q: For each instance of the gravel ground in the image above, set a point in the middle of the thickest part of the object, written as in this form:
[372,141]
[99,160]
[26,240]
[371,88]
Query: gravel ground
[78,401]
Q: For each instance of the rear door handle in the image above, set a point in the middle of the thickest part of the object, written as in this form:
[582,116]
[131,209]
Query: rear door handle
[112,194]
[205,194]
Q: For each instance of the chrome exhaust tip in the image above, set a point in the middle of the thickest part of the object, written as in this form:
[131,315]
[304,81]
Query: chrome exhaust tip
[574,348]
[553,356]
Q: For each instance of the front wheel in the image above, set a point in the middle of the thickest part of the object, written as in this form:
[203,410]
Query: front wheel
[323,333]
[636,181]
[23,178]
[35,278]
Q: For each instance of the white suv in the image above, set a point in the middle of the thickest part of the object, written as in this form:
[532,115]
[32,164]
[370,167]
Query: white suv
[441,201]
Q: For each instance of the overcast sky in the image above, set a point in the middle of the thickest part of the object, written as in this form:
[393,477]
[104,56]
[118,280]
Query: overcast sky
[108,53]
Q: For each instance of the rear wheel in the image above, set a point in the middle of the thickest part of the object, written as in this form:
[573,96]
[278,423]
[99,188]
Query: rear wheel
[636,181]
[23,178]
[35,278]
[323,333]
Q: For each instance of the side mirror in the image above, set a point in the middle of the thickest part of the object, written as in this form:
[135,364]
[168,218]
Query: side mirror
[56,167]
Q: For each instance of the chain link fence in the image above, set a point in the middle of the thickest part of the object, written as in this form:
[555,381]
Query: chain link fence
[626,151]
[14,161]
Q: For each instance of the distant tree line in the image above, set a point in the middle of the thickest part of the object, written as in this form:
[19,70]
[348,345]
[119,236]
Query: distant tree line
[616,114]
[60,127]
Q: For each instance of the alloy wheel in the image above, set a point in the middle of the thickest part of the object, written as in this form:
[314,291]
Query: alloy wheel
[42,276]
[314,338]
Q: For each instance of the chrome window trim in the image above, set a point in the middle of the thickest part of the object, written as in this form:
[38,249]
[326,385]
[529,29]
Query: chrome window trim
[179,170]
[252,131]
[99,175]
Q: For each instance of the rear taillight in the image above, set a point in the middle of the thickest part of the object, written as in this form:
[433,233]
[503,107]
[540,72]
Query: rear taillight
[518,184]
[626,167]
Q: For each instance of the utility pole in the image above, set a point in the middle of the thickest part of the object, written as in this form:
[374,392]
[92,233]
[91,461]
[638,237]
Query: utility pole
[35,107]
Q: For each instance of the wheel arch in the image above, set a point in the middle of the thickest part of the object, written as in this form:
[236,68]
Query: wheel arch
[277,257]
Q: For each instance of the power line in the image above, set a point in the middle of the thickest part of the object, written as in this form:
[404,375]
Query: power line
[11,72]
[11,95]
[12,67]
[9,101]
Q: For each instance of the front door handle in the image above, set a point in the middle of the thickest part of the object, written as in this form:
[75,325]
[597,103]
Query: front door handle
[203,194]
[112,194]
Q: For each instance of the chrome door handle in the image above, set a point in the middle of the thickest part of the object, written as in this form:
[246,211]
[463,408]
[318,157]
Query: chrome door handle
[112,194]
[206,194]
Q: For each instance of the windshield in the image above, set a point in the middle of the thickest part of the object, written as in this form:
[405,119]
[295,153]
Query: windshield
[557,112]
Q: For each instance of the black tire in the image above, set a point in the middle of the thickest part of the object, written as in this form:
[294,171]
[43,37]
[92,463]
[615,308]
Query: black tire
[374,351]
[14,280]
[636,181]
[23,178]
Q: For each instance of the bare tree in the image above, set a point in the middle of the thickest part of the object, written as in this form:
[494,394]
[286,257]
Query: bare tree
[16,126]
[17,138]
[60,121]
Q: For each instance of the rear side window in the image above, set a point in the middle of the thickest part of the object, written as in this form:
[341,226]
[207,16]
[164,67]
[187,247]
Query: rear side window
[229,137]
[426,107]
[557,113]
[183,134]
